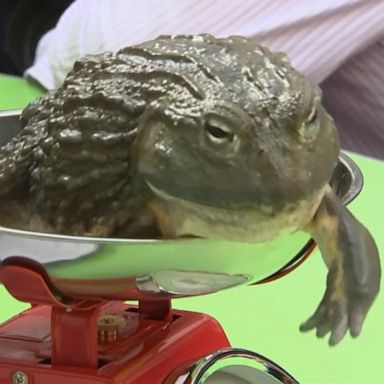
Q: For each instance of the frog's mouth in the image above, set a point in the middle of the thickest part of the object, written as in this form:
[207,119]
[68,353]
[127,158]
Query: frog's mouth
[174,201]
[178,217]
[163,195]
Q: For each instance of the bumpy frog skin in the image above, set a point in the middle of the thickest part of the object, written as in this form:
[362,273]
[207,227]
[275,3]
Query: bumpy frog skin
[191,135]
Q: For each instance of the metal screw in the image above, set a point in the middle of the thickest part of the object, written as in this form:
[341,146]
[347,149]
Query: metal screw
[20,377]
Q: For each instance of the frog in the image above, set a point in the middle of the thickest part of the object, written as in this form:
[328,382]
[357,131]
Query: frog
[192,135]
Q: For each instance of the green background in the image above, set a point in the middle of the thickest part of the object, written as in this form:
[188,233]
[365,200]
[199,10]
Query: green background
[266,318]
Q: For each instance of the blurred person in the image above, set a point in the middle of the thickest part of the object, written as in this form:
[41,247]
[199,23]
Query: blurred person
[22,23]
[339,44]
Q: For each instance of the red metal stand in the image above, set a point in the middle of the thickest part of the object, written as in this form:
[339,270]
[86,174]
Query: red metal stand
[63,340]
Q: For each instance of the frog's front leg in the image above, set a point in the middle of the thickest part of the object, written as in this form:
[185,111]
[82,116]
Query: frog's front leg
[353,281]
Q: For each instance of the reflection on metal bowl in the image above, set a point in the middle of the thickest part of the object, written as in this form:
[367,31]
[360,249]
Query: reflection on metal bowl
[234,365]
[106,268]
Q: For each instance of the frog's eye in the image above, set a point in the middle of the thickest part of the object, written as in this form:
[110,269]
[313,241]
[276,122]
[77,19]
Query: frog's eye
[312,116]
[218,133]
[310,126]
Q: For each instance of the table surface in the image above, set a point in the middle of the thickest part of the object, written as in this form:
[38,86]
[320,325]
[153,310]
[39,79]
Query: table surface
[266,318]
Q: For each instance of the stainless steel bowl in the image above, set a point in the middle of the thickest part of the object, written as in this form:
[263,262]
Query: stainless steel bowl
[234,366]
[108,268]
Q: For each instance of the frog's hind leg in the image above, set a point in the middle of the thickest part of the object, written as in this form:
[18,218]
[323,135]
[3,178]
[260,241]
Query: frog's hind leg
[352,258]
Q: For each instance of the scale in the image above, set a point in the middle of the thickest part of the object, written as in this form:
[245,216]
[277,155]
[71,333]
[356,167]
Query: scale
[80,329]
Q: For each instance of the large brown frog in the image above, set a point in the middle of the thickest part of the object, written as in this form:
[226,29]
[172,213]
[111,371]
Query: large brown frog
[192,135]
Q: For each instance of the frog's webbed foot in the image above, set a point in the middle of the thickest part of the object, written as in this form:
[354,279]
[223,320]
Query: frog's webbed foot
[353,280]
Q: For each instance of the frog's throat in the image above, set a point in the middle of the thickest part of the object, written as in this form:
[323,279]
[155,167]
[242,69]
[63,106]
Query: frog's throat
[178,217]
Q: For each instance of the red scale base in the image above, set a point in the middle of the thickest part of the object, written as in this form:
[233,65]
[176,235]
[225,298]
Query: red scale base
[61,343]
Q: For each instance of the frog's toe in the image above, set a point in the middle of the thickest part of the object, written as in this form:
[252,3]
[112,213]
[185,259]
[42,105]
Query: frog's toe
[339,328]
[323,329]
[356,322]
[315,321]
